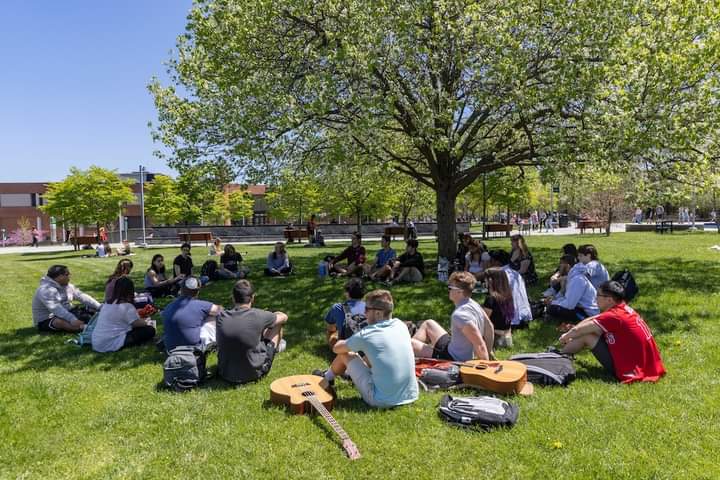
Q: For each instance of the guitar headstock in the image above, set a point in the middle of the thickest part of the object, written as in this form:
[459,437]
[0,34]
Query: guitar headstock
[351,449]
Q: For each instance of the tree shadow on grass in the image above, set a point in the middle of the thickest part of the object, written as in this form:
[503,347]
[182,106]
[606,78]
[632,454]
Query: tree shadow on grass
[25,349]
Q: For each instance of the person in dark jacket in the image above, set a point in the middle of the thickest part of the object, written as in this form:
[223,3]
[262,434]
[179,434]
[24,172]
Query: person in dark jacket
[409,267]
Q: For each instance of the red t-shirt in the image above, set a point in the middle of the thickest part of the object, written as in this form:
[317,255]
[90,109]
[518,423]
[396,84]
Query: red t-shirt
[632,346]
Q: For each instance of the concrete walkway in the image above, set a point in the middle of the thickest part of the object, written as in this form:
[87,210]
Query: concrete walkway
[615,227]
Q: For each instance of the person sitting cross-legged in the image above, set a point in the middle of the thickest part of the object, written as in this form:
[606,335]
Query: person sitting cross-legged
[335,318]
[472,332]
[618,337]
[355,256]
[409,267]
[248,338]
[231,266]
[578,300]
[187,320]
[386,378]
[384,259]
[523,315]
[52,304]
[156,282]
[118,323]
[278,262]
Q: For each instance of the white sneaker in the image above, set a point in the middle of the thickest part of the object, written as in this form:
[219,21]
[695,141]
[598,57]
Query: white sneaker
[281,346]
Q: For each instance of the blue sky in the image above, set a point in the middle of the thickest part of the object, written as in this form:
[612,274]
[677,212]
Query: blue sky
[73,77]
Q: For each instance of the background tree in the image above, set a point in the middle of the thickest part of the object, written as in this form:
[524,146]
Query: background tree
[163,201]
[442,91]
[407,196]
[93,196]
[294,196]
[240,205]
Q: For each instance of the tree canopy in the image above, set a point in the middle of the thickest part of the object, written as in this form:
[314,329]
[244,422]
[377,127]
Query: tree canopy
[442,91]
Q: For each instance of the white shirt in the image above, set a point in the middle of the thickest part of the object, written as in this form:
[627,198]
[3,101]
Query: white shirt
[113,323]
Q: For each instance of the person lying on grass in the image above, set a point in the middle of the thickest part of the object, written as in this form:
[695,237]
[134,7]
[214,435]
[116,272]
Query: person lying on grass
[118,324]
[335,318]
[472,332]
[248,338]
[52,304]
[386,378]
[619,338]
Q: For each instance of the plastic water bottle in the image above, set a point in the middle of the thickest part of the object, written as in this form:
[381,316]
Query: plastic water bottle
[322,270]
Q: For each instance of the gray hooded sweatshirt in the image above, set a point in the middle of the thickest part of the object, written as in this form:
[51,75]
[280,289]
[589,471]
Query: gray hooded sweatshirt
[53,300]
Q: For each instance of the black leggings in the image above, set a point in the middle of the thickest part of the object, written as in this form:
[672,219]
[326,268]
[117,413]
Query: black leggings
[283,272]
[164,291]
[138,336]
[566,315]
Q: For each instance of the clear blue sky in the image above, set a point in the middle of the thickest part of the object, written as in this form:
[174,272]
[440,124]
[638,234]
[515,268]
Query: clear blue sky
[73,77]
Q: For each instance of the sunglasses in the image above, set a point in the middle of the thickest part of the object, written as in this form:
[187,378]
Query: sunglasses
[451,288]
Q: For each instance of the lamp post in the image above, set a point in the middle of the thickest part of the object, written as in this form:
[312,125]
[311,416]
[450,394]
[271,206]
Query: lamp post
[142,203]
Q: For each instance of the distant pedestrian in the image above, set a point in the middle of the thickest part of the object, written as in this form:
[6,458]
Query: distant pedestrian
[35,234]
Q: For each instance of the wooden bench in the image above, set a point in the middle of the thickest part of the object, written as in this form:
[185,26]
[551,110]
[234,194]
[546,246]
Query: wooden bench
[393,230]
[188,237]
[497,228]
[291,234]
[664,226]
[593,224]
[84,240]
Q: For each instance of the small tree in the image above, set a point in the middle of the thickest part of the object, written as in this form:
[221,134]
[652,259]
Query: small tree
[294,196]
[240,205]
[163,201]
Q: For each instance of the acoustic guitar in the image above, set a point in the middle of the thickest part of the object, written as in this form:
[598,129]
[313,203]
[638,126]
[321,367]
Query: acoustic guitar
[302,391]
[501,376]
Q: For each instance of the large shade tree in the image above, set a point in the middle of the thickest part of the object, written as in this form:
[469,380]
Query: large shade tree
[443,91]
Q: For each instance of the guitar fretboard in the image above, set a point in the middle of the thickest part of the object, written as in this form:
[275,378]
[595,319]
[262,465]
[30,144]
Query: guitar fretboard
[320,408]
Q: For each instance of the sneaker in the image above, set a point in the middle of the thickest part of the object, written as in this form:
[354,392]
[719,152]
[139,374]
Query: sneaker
[281,346]
[321,373]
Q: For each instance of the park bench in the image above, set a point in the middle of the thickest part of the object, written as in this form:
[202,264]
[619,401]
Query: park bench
[188,237]
[89,240]
[393,230]
[291,234]
[497,228]
[593,224]
[664,226]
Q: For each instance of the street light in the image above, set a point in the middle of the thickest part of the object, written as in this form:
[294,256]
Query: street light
[142,203]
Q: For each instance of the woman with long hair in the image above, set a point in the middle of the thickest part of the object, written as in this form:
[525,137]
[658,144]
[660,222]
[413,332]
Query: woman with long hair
[278,262]
[231,264]
[215,249]
[499,305]
[118,323]
[596,271]
[521,259]
[156,282]
[122,269]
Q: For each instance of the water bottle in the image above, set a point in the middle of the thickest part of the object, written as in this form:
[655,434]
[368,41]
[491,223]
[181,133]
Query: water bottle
[322,270]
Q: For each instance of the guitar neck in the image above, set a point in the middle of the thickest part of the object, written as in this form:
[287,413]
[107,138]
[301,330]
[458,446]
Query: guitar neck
[317,404]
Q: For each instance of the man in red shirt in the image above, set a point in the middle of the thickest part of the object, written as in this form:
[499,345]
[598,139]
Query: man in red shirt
[355,256]
[618,337]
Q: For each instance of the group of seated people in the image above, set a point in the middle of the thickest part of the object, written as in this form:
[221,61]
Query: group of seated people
[249,338]
[473,256]
[104,249]
[387,266]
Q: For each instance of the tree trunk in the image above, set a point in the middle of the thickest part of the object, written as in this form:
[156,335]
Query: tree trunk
[446,223]
[610,219]
[358,217]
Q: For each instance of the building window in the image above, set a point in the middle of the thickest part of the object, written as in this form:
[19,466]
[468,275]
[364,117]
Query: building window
[17,200]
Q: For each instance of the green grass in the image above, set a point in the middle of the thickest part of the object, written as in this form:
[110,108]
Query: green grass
[67,412]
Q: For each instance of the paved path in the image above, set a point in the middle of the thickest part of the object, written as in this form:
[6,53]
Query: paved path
[616,227]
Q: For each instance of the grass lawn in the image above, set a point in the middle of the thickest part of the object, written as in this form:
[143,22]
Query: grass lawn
[66,412]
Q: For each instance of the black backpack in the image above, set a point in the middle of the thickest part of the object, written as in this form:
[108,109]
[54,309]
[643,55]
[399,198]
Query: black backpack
[626,279]
[547,368]
[184,368]
[485,412]
[209,269]
[353,322]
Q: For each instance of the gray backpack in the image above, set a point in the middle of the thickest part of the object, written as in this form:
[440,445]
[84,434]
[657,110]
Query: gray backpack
[184,368]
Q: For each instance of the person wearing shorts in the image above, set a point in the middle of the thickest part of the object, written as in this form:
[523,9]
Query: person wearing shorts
[472,335]
[386,378]
[618,337]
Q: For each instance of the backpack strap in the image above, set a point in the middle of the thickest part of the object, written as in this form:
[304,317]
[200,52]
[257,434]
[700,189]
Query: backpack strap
[535,369]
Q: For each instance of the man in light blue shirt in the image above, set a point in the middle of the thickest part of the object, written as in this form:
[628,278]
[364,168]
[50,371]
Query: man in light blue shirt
[390,379]
[384,260]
